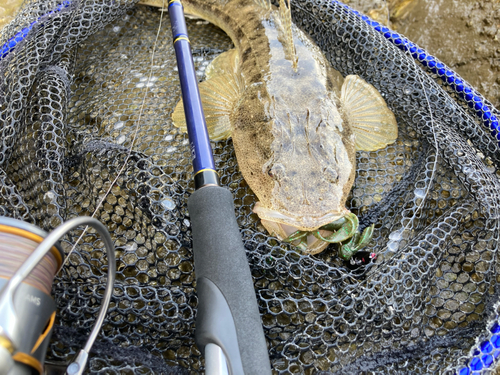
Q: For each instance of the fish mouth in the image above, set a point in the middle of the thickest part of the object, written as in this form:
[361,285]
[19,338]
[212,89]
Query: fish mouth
[307,223]
[282,225]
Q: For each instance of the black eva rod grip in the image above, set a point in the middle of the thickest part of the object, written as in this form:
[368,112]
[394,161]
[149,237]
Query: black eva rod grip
[228,315]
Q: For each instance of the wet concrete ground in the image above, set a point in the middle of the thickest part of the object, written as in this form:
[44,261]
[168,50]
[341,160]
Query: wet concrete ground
[463,34]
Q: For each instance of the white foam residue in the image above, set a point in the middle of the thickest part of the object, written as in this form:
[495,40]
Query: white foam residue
[419,193]
[131,246]
[392,246]
[396,235]
[168,203]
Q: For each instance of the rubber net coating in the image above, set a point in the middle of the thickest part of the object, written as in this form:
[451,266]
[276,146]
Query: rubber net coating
[71,94]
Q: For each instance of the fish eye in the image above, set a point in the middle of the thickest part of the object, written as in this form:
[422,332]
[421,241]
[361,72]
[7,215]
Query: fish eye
[277,171]
[269,171]
[331,174]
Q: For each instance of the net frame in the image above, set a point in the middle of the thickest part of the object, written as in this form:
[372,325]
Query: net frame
[43,64]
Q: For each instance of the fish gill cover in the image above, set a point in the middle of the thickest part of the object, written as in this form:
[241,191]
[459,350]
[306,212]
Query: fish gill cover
[81,86]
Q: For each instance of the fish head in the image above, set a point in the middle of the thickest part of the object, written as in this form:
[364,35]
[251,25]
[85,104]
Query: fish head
[310,171]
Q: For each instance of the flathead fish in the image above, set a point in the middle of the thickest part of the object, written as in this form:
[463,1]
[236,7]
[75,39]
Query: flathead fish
[295,126]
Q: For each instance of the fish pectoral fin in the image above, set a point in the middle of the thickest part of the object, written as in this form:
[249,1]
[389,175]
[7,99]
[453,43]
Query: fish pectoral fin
[266,4]
[372,121]
[218,97]
[286,20]
[225,63]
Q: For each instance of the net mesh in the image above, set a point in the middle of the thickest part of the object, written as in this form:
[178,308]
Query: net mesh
[81,104]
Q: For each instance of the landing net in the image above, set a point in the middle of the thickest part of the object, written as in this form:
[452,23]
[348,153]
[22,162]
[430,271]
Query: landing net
[71,91]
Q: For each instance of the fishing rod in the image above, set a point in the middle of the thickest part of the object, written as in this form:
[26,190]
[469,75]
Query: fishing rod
[228,324]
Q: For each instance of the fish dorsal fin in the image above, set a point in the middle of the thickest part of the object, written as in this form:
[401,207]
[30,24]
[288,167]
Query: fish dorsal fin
[266,4]
[218,93]
[373,123]
[286,20]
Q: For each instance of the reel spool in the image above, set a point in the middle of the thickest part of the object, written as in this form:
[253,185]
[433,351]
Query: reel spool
[34,306]
[29,260]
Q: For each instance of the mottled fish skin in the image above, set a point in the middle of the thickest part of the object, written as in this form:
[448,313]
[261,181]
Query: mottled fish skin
[292,141]
[298,153]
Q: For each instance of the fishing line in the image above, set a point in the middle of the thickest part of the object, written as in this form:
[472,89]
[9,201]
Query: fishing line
[436,146]
[134,138]
[434,167]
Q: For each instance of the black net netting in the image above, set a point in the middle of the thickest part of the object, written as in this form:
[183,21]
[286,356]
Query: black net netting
[82,85]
